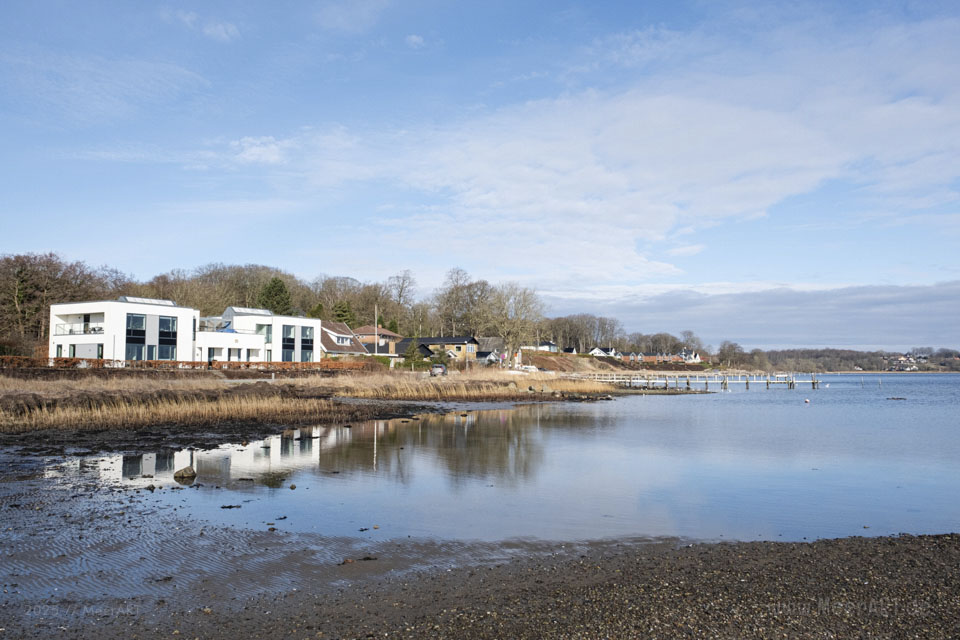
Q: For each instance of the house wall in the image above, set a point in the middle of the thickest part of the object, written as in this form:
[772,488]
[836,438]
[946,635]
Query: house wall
[252,347]
[466,352]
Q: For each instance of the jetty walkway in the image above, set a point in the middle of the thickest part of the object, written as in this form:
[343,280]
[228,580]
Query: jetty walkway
[668,379]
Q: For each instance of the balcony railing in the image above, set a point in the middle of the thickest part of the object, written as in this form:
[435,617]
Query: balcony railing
[78,328]
[207,328]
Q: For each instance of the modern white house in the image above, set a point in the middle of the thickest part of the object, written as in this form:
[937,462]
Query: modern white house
[146,329]
[125,329]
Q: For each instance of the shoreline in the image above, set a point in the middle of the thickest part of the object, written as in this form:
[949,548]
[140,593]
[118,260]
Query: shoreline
[884,587]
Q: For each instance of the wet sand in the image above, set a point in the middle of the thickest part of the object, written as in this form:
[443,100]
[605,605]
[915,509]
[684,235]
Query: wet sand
[95,561]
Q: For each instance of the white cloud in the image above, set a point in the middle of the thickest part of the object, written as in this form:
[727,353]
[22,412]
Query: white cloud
[215,30]
[260,150]
[414,41]
[351,16]
[221,31]
[709,132]
[686,250]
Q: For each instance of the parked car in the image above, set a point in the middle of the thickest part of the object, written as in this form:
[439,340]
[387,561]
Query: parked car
[438,370]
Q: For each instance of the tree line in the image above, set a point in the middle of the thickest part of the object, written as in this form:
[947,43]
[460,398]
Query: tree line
[460,306]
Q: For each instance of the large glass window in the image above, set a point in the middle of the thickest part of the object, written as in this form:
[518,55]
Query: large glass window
[306,344]
[136,336]
[166,352]
[168,324]
[59,350]
[289,342]
[151,352]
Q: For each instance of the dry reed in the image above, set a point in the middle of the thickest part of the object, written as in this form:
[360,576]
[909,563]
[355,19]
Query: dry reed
[94,384]
[180,412]
[136,412]
[478,386]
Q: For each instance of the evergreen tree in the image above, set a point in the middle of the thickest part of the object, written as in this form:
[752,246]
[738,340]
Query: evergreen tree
[393,326]
[412,354]
[342,312]
[380,321]
[275,297]
[316,311]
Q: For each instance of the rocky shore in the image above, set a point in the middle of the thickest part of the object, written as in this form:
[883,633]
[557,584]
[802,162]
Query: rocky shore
[890,587]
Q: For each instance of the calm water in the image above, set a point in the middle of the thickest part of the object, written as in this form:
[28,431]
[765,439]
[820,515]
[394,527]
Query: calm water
[759,464]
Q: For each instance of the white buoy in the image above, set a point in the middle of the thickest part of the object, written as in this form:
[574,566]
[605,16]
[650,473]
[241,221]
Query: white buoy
[806,401]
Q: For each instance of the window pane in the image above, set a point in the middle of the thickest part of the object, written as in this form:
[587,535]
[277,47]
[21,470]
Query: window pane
[289,331]
[136,321]
[168,324]
[306,333]
[134,352]
[288,355]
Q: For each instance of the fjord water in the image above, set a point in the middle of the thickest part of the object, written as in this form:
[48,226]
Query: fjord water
[746,465]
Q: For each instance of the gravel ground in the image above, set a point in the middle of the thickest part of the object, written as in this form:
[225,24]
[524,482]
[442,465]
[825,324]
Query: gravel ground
[899,587]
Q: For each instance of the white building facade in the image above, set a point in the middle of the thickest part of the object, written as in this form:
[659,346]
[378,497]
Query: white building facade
[146,329]
[125,329]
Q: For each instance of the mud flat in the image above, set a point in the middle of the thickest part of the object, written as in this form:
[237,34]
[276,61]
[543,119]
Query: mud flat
[95,560]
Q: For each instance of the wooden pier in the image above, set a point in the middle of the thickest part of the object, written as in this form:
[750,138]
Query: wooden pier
[668,379]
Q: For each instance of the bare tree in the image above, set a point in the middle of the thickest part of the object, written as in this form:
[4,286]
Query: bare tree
[514,313]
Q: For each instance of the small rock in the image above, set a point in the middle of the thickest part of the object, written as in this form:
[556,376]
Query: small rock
[293,486]
[186,473]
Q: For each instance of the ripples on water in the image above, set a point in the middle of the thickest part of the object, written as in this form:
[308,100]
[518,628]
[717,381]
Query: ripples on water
[759,464]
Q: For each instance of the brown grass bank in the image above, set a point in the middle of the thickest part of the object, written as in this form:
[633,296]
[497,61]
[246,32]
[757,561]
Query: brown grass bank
[132,403]
[483,385]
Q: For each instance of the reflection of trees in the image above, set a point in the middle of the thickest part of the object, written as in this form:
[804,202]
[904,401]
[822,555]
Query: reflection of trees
[504,444]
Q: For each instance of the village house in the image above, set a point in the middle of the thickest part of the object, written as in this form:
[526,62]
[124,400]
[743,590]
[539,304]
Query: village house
[456,347]
[368,334]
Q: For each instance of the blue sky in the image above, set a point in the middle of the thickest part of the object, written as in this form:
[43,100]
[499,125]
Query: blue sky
[701,165]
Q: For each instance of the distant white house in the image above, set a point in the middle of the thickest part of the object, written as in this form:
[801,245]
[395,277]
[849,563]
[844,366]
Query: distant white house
[600,352]
[546,345]
[148,329]
[690,356]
